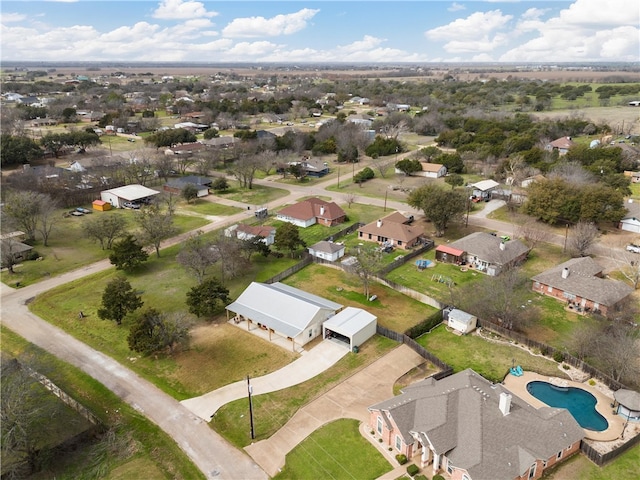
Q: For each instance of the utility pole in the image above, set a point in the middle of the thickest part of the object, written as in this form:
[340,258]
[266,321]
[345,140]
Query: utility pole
[338,177]
[566,234]
[250,390]
[385,200]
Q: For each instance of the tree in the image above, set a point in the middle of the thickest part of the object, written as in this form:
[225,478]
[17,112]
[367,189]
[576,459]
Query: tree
[163,165]
[409,166]
[127,254]
[118,300]
[532,234]
[207,298]
[350,198]
[232,262]
[454,179]
[439,206]
[288,238]
[369,259]
[156,225]
[254,245]
[363,175]
[220,184]
[582,237]
[26,209]
[8,254]
[105,229]
[46,220]
[197,256]
[189,192]
[154,332]
[18,150]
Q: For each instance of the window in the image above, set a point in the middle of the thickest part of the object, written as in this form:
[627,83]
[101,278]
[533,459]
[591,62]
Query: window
[532,470]
[544,464]
[398,443]
[449,467]
[559,456]
[465,477]
[310,333]
[549,289]
[399,242]
[379,425]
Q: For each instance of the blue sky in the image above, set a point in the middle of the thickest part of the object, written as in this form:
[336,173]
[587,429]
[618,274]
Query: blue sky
[370,31]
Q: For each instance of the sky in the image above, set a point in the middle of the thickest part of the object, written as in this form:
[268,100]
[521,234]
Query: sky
[329,31]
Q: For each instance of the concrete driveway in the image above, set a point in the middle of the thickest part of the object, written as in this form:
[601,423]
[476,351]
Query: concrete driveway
[312,363]
[349,399]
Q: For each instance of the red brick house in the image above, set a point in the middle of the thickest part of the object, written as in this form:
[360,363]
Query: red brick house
[311,211]
[470,429]
[394,230]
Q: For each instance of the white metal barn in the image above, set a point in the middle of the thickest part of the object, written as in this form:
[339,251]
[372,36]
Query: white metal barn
[129,193]
[461,321]
[353,326]
[283,310]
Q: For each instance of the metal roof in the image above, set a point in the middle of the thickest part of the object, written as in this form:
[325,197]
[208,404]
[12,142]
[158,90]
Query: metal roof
[132,192]
[350,321]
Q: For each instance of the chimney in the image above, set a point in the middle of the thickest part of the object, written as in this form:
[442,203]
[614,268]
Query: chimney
[505,403]
[502,246]
[565,272]
[321,209]
[379,223]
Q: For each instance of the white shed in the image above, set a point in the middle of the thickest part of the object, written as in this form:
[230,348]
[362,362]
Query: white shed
[327,250]
[461,321]
[353,326]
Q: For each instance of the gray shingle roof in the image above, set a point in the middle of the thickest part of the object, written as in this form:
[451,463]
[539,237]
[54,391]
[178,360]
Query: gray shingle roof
[583,283]
[487,248]
[460,417]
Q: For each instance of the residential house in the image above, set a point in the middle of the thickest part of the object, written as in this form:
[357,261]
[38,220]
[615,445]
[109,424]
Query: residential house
[185,149]
[579,282]
[176,185]
[432,170]
[473,429]
[484,188]
[248,232]
[311,211]
[394,230]
[284,311]
[315,167]
[631,221]
[490,254]
[327,250]
[222,142]
[561,145]
[13,251]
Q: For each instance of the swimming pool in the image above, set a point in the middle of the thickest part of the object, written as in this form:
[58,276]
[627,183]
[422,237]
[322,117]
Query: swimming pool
[580,403]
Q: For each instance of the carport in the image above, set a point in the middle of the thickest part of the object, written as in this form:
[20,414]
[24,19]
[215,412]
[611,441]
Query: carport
[352,326]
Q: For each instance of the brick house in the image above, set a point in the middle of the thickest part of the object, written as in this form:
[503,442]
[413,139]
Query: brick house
[311,211]
[394,230]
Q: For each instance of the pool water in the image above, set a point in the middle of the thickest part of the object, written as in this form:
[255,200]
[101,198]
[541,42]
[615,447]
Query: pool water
[580,403]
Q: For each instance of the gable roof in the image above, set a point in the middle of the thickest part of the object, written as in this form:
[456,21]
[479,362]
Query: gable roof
[460,417]
[312,208]
[563,143]
[487,247]
[132,192]
[391,227]
[350,321]
[326,247]
[485,185]
[256,230]
[431,167]
[449,250]
[285,309]
[582,281]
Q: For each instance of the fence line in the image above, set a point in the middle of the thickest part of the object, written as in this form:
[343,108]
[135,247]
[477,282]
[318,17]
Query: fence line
[601,458]
[306,260]
[549,351]
[428,245]
[62,395]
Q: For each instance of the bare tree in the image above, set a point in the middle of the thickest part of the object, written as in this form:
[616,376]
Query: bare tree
[572,172]
[156,225]
[105,229]
[163,165]
[350,198]
[369,259]
[8,254]
[232,262]
[198,256]
[22,210]
[46,219]
[382,164]
[532,234]
[582,237]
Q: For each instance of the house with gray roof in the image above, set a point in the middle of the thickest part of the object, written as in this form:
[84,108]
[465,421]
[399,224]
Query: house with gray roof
[471,429]
[283,310]
[490,254]
[579,282]
[327,250]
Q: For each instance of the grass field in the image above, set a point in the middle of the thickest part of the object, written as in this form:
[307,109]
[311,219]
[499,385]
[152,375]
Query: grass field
[273,410]
[336,451]
[257,196]
[146,450]
[489,359]
[163,283]
[626,466]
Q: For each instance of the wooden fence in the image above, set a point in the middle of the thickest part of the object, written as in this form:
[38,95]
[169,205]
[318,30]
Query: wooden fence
[600,458]
[549,351]
[428,245]
[306,260]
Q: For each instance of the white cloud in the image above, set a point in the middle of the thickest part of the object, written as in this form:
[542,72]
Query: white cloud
[476,25]
[181,10]
[596,13]
[11,17]
[251,27]
[456,7]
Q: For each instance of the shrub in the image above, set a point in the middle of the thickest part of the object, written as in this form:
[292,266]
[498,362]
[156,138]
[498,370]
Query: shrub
[558,356]
[401,458]
[438,477]
[412,469]
[565,366]
[380,440]
[420,477]
[592,382]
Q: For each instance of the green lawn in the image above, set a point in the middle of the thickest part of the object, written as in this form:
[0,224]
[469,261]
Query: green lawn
[273,410]
[204,207]
[626,466]
[489,359]
[258,195]
[163,284]
[336,451]
[154,454]
[393,309]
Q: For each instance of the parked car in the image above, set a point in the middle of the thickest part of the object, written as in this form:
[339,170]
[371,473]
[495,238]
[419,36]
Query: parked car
[133,205]
[633,248]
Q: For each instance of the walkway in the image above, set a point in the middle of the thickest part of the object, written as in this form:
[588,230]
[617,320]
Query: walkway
[349,399]
[312,363]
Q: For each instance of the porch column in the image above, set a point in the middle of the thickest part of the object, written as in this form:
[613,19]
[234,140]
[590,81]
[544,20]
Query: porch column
[425,458]
[436,463]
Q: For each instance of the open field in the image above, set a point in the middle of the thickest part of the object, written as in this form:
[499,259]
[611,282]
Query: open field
[620,118]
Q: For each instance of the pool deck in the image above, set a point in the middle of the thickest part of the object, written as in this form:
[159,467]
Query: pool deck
[518,386]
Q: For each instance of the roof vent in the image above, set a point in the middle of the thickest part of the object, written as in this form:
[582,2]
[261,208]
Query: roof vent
[505,403]
[565,272]
[502,246]
[379,223]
